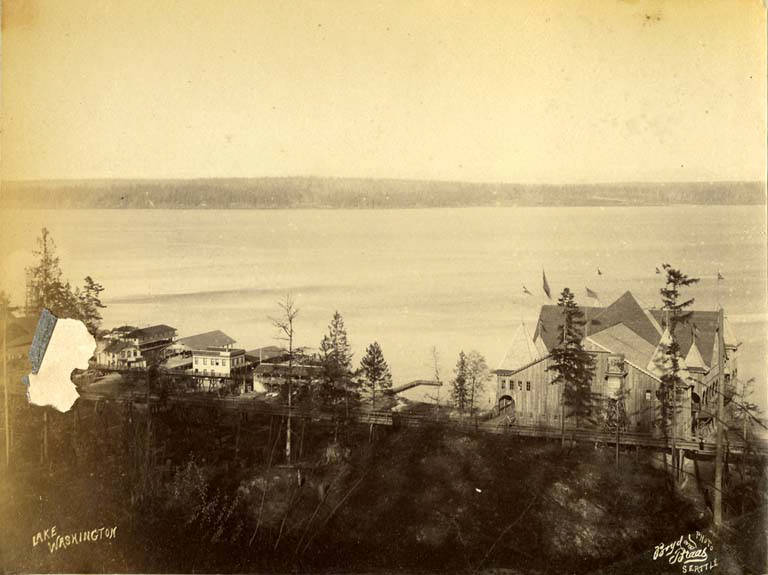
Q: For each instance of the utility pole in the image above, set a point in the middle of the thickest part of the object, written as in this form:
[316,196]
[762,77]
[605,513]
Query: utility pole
[618,412]
[718,511]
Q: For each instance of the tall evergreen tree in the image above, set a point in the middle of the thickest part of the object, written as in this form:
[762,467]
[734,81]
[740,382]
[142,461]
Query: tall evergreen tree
[675,314]
[459,388]
[90,304]
[573,367]
[45,283]
[376,371]
[336,358]
[49,290]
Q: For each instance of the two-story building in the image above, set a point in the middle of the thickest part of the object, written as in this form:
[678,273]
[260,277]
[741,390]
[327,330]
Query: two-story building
[128,347]
[218,366]
[626,342]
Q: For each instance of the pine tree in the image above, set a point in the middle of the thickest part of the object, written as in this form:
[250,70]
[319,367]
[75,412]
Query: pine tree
[573,367]
[46,287]
[90,304]
[376,371]
[49,290]
[459,391]
[675,314]
[336,359]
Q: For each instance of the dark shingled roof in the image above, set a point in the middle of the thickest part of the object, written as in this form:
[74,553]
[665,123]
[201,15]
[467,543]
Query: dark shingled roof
[628,311]
[215,338]
[706,324]
[150,331]
[551,321]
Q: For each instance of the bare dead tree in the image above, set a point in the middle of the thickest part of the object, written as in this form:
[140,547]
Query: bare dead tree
[285,325]
[436,366]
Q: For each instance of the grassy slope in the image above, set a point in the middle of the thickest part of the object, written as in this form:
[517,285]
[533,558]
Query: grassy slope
[421,499]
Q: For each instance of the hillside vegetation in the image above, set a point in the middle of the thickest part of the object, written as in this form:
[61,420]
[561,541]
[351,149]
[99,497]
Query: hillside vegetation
[227,193]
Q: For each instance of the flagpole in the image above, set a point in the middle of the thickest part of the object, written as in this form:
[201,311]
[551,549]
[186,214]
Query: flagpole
[718,505]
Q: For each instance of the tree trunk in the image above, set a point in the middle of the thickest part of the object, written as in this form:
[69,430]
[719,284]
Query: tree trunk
[562,419]
[44,443]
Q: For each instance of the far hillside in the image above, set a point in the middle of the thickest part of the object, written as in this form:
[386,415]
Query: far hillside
[266,193]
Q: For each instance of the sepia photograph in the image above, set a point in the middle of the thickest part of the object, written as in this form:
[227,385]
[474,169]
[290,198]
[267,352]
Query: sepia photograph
[352,286]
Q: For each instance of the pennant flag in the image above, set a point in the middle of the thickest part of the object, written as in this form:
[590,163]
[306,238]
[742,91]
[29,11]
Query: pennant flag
[719,276]
[658,271]
[546,285]
[599,272]
[526,292]
[590,293]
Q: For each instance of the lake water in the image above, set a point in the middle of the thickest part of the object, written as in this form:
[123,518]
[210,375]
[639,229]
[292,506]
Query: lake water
[409,279]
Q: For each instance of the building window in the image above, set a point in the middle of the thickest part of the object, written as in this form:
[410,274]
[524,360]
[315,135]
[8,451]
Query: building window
[647,395]
[205,361]
[224,362]
[520,386]
[527,386]
[197,361]
[503,385]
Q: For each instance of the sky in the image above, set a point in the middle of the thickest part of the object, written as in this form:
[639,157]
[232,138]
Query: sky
[520,91]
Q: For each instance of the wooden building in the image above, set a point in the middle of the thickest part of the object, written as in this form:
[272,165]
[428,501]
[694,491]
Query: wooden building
[625,341]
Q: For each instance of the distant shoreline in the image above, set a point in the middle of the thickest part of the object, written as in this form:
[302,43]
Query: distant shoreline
[343,193]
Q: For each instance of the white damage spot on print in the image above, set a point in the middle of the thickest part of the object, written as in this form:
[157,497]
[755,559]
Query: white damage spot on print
[70,348]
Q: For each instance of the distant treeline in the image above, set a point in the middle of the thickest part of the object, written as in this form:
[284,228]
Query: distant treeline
[266,193]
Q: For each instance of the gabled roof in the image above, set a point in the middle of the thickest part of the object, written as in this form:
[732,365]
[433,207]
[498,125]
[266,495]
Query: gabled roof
[151,331]
[521,351]
[647,324]
[620,339]
[706,332]
[626,310]
[551,321]
[694,359]
[215,338]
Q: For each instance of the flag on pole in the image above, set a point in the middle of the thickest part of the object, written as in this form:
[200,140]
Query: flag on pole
[590,293]
[526,291]
[719,276]
[599,272]
[546,285]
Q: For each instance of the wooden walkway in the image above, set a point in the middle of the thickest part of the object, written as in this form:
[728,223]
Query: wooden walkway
[249,405]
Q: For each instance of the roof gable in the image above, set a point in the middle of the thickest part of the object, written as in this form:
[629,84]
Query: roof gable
[151,331]
[620,339]
[215,338]
[522,350]
[706,332]
[551,322]
[694,359]
[626,310]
